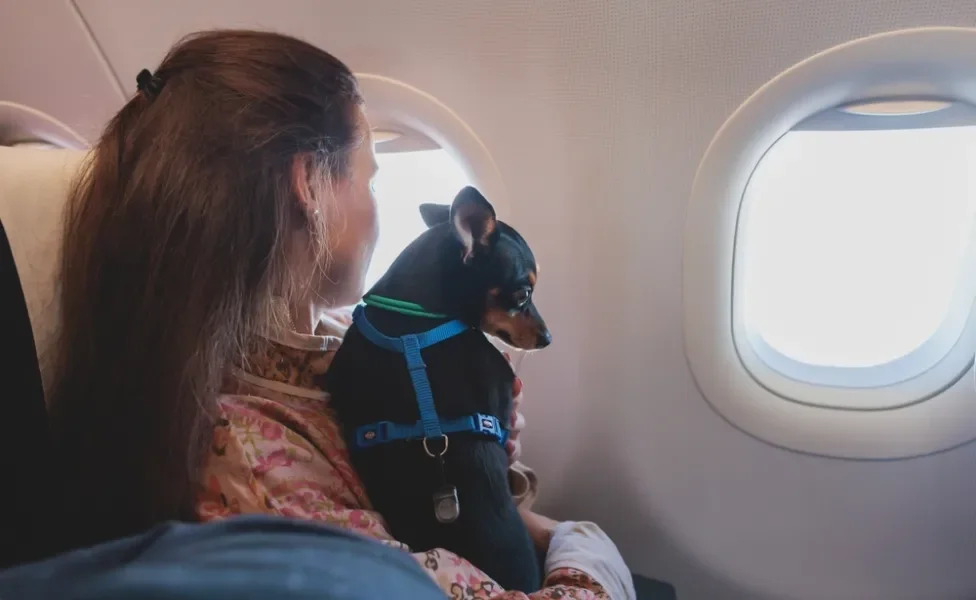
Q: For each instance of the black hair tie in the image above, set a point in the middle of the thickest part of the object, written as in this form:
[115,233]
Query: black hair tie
[148,84]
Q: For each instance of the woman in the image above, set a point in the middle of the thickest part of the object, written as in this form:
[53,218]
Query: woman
[227,210]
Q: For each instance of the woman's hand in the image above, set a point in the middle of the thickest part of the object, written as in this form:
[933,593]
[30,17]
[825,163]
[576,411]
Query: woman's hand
[540,528]
[514,447]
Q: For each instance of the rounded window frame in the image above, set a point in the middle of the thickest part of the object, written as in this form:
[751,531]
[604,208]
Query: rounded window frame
[929,412]
[394,104]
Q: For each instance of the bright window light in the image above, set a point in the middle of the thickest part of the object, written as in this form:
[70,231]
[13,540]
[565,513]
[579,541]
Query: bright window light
[854,241]
[406,180]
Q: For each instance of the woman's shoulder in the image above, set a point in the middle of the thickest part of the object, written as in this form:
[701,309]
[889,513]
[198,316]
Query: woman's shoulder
[284,363]
[279,453]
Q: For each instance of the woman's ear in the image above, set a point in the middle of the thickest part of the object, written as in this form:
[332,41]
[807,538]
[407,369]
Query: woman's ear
[474,222]
[435,214]
[300,178]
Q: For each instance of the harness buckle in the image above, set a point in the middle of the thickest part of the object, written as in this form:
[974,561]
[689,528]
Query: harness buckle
[443,450]
[485,424]
[378,433]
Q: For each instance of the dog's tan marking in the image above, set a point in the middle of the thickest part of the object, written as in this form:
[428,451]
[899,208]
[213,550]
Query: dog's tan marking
[523,332]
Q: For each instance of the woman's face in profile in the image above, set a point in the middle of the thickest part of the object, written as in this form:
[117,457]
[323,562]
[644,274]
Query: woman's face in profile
[354,233]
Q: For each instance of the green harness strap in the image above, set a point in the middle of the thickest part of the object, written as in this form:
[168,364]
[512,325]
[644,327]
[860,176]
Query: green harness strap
[399,306]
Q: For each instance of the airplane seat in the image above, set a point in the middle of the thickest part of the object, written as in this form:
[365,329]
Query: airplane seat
[33,190]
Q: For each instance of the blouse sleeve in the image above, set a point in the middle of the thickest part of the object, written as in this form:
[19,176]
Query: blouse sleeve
[462,580]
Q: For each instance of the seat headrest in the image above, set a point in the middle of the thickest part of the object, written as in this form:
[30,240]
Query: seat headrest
[22,124]
[34,188]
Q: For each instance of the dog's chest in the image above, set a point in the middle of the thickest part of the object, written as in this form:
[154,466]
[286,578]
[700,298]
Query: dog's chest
[466,376]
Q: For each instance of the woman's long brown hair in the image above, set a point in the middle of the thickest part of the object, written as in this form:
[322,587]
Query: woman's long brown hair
[177,236]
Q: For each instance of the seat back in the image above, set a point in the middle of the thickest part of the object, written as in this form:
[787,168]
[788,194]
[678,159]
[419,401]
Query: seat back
[24,452]
[33,190]
[34,186]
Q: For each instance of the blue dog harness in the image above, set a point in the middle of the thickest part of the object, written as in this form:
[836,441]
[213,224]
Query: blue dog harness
[430,426]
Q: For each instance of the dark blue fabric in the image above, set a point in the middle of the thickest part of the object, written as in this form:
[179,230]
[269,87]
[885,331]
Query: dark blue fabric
[253,557]
[242,558]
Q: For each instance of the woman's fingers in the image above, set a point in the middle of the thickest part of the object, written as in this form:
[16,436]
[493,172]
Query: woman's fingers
[518,423]
[514,450]
[540,528]
[513,447]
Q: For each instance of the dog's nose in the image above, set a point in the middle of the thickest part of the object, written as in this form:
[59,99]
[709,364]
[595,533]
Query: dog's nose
[544,339]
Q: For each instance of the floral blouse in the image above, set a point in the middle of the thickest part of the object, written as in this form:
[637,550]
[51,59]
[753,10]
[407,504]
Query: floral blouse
[277,449]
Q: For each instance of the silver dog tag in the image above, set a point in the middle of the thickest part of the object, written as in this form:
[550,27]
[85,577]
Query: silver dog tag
[446,505]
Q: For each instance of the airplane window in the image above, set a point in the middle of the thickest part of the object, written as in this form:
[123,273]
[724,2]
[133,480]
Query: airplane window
[829,259]
[404,181]
[854,242]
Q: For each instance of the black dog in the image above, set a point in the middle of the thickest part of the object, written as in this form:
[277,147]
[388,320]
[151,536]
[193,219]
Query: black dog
[442,481]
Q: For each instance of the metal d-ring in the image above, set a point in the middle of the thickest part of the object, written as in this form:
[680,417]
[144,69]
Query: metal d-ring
[443,451]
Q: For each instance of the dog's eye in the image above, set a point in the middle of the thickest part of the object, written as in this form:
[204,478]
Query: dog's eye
[522,296]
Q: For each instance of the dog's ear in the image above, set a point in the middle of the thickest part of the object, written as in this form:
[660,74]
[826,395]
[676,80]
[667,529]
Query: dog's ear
[435,214]
[474,221]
